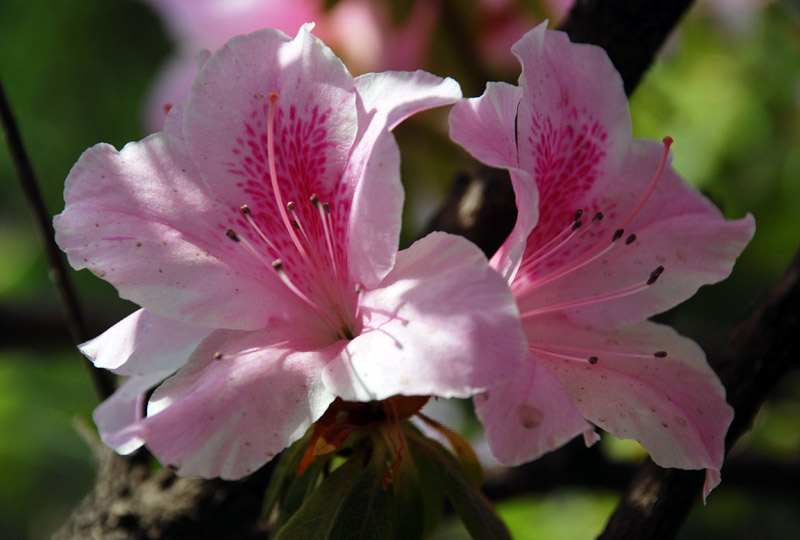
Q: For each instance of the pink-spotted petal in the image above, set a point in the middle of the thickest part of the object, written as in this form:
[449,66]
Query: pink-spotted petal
[242,398]
[677,228]
[486,128]
[574,127]
[442,323]
[674,405]
[140,219]
[142,343]
[528,415]
[374,170]
[118,416]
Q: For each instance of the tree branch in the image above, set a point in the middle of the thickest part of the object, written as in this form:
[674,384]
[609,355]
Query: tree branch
[103,380]
[760,351]
[631,32]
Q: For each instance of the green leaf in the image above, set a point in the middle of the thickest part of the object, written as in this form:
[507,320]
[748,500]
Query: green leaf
[475,511]
[418,502]
[298,490]
[350,504]
[284,474]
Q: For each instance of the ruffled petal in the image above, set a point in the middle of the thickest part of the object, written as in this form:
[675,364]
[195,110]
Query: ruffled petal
[242,398]
[442,323]
[674,405]
[487,128]
[677,228]
[227,121]
[374,171]
[528,415]
[574,127]
[140,219]
[143,343]
[118,416]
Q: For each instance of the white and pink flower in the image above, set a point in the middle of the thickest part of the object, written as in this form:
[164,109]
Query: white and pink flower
[607,235]
[259,233]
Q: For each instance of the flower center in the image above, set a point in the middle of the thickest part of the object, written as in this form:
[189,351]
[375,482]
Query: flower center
[317,274]
[535,263]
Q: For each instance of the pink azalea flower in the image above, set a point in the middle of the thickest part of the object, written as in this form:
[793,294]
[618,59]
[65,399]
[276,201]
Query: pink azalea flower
[259,233]
[608,234]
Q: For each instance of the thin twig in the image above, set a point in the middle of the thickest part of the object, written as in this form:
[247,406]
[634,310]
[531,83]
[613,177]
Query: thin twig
[102,380]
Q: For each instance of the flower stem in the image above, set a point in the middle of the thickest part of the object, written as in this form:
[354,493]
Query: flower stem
[102,380]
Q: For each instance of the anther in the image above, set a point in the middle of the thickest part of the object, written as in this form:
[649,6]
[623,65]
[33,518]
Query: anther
[654,275]
[217,356]
[326,207]
[290,205]
[576,225]
[277,265]
[578,215]
[358,288]
[597,217]
[630,240]
[617,235]
[245,210]
[593,360]
[660,354]
[314,200]
[232,235]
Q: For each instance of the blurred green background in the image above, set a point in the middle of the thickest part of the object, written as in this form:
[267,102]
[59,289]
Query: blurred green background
[76,72]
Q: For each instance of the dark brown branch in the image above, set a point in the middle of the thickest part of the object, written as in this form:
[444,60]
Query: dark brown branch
[103,381]
[631,32]
[760,351]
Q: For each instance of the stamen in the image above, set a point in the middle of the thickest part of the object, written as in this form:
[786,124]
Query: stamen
[230,233]
[654,275]
[660,354]
[568,268]
[581,359]
[599,297]
[592,353]
[630,240]
[661,165]
[248,214]
[277,265]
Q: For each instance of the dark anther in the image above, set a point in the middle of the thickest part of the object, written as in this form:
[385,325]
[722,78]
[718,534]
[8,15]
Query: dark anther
[232,235]
[630,240]
[326,207]
[598,216]
[578,215]
[245,210]
[314,200]
[654,275]
[577,225]
[617,235]
[660,354]
[277,265]
[593,360]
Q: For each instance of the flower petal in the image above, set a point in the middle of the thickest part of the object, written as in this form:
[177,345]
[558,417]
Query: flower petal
[528,415]
[487,128]
[574,127]
[138,219]
[442,323]
[117,417]
[227,121]
[374,171]
[677,228]
[142,343]
[674,406]
[227,414]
